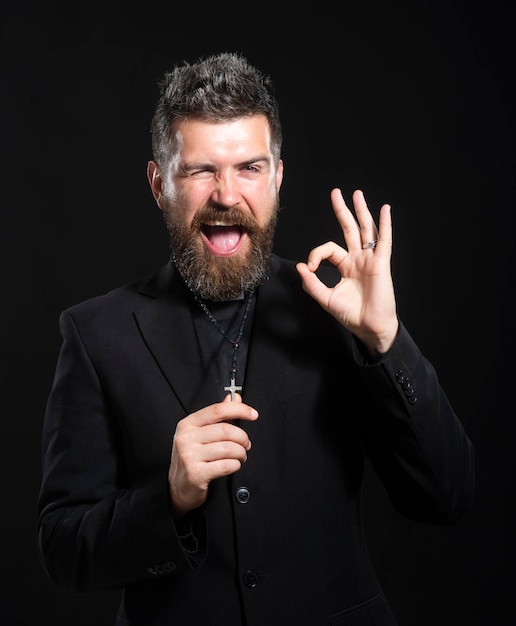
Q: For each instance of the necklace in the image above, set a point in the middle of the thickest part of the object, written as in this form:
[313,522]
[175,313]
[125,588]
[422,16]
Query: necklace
[232,387]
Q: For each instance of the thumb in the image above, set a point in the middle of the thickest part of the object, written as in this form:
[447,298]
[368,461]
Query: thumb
[238,398]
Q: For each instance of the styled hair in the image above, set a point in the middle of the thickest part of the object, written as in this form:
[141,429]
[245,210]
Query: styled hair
[217,88]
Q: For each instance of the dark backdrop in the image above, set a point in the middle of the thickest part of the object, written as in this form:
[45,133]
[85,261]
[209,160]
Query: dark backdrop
[411,102]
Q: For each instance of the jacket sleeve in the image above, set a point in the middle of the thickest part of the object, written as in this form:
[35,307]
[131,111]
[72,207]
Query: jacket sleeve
[416,443]
[96,528]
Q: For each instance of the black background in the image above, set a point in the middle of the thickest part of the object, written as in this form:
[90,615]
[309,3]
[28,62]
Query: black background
[411,102]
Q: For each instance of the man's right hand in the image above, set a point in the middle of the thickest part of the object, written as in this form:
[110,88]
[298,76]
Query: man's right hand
[206,446]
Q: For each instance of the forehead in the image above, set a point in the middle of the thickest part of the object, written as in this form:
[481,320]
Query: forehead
[209,139]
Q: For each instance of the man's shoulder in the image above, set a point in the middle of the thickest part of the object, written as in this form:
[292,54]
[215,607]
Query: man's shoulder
[130,295]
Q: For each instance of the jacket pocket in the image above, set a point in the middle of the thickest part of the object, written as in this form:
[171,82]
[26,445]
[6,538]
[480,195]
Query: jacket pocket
[374,611]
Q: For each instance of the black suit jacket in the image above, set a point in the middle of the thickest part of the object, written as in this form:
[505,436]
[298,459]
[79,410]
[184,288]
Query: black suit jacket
[280,541]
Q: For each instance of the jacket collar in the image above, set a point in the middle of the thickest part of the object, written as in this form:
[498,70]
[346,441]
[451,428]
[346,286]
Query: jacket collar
[167,327]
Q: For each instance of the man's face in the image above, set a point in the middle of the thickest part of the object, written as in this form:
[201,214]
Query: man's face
[220,200]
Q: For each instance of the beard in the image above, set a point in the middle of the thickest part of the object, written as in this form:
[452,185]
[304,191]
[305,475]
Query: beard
[213,277]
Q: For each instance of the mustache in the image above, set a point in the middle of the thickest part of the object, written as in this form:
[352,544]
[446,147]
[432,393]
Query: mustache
[212,214]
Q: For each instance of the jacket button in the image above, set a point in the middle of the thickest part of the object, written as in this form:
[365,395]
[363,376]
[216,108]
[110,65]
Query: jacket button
[407,386]
[243,495]
[250,579]
[165,568]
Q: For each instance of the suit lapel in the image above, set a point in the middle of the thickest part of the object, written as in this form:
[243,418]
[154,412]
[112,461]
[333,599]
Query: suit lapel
[167,327]
[275,329]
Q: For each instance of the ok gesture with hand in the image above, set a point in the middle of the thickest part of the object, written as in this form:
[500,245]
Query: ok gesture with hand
[363,300]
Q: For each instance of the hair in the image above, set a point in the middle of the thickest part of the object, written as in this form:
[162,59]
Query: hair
[217,88]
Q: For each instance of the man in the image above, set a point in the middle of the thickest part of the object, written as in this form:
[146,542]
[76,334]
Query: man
[205,435]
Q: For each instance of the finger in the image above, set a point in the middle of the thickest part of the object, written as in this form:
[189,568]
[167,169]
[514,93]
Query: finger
[220,450]
[222,412]
[328,251]
[191,438]
[368,230]
[347,220]
[228,398]
[221,467]
[384,246]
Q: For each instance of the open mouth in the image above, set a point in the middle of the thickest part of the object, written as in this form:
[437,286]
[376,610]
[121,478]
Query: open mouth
[223,239]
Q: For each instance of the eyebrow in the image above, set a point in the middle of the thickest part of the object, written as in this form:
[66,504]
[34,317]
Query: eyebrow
[199,165]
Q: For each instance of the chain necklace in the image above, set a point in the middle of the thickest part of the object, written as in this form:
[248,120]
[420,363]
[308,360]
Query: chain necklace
[232,387]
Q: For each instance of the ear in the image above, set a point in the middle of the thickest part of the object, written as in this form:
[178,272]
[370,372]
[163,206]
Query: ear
[279,174]
[155,181]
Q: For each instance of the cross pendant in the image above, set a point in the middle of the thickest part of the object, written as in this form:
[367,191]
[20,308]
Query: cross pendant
[233,387]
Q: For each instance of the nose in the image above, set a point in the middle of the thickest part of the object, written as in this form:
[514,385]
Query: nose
[225,192]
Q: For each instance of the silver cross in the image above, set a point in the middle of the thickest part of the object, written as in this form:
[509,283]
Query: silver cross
[232,388]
